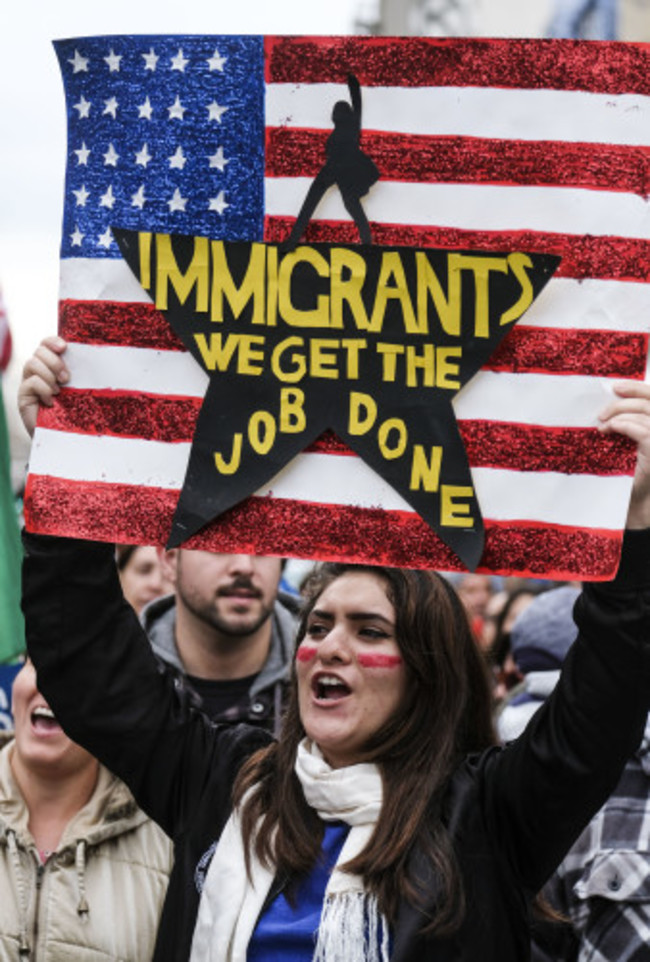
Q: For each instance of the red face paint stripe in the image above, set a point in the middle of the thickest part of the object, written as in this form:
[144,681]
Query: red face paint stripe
[305,653]
[379,661]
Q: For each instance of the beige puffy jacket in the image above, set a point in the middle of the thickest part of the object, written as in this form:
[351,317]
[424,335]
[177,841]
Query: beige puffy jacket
[98,897]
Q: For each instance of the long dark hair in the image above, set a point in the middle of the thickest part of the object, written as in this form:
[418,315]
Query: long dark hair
[445,715]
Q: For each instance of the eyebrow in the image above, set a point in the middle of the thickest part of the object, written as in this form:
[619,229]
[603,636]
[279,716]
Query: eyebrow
[354,616]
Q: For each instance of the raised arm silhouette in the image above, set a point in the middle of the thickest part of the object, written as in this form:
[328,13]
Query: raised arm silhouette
[347,166]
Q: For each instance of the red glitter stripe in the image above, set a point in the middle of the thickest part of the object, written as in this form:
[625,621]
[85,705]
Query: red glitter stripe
[527,447]
[329,443]
[116,323]
[491,444]
[619,354]
[120,414]
[471,160]
[607,258]
[127,514]
[609,68]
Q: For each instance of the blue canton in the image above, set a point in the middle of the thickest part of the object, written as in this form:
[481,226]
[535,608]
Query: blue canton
[170,140]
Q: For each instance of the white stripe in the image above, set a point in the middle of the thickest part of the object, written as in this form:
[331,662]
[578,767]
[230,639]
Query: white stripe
[487,207]
[562,115]
[564,302]
[548,400]
[110,460]
[544,399]
[99,279]
[573,500]
[591,304]
[134,369]
[550,498]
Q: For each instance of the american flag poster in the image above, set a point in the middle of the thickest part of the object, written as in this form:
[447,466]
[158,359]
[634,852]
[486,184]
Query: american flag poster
[485,146]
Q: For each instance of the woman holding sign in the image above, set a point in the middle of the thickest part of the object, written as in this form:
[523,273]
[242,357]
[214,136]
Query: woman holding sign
[383,824]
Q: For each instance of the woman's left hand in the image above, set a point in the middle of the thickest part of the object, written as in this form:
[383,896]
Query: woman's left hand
[629,415]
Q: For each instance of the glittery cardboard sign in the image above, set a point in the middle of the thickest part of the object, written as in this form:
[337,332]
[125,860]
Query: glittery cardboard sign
[442,149]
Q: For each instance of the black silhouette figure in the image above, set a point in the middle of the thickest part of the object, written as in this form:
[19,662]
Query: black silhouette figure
[347,166]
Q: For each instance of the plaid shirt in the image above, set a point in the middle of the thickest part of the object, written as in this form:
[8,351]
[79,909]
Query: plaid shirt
[603,884]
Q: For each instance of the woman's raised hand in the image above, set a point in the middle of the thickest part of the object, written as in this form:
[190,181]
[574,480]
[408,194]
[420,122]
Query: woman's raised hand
[629,414]
[43,376]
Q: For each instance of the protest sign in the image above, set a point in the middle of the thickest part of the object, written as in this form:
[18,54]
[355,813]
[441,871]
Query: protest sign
[343,415]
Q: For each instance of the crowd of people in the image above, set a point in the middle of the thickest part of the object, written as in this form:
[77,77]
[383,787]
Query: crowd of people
[212,763]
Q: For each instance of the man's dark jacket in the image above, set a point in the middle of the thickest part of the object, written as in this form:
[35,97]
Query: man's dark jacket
[262,704]
[511,813]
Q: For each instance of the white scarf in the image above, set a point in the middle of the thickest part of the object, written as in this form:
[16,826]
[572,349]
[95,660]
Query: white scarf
[351,928]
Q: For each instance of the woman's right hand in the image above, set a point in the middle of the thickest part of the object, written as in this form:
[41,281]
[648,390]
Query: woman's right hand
[43,376]
[629,414]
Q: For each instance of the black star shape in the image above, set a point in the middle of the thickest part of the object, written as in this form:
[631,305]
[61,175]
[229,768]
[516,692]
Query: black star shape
[376,356]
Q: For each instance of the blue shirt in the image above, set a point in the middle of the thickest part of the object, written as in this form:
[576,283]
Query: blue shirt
[287,934]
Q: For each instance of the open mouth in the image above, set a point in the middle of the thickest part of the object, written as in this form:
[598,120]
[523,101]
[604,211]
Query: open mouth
[43,721]
[329,688]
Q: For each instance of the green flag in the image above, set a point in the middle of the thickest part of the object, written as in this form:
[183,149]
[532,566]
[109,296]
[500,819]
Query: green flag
[12,629]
